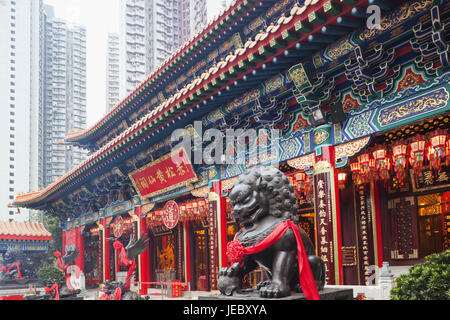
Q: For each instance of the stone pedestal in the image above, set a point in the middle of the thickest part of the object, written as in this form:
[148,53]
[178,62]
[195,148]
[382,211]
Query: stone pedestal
[386,281]
[325,294]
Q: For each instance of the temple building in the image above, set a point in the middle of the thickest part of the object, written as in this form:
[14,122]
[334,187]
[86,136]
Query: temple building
[350,99]
[24,236]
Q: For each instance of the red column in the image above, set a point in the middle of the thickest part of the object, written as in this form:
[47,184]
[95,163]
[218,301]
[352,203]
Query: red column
[64,242]
[144,259]
[106,251]
[222,223]
[79,243]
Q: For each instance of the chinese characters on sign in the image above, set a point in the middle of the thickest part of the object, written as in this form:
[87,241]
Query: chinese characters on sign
[432,178]
[163,175]
[365,233]
[324,224]
[171,214]
[118,227]
[213,204]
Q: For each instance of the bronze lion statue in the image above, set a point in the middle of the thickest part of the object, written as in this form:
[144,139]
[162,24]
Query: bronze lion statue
[262,200]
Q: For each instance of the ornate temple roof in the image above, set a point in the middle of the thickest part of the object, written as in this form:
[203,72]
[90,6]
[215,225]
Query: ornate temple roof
[184,54]
[24,231]
[286,39]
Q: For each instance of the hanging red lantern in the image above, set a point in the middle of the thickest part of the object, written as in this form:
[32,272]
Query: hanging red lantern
[195,208]
[183,216]
[342,179]
[308,189]
[355,168]
[436,151]
[364,163]
[417,155]
[382,163]
[202,207]
[301,180]
[399,159]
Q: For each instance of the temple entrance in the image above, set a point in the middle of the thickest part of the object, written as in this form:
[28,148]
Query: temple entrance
[431,224]
[201,258]
[92,257]
[165,258]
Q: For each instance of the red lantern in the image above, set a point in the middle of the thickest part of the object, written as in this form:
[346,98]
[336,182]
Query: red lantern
[202,207]
[189,209]
[399,159]
[382,163]
[342,179]
[436,151]
[183,216]
[367,167]
[417,155]
[355,168]
[301,180]
[195,208]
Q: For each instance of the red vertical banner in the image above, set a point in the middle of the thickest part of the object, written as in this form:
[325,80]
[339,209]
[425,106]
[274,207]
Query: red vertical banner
[145,256]
[79,242]
[222,224]
[327,224]
[365,232]
[375,200]
[213,207]
[100,257]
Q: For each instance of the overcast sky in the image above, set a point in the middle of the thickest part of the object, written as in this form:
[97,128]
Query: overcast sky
[99,17]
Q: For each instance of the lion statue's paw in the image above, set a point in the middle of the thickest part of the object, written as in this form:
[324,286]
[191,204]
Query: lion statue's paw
[274,290]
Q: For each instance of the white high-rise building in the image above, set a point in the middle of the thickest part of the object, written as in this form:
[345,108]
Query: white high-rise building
[112,72]
[64,99]
[150,31]
[20,96]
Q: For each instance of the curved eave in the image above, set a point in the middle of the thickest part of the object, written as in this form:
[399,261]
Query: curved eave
[236,66]
[171,64]
[25,238]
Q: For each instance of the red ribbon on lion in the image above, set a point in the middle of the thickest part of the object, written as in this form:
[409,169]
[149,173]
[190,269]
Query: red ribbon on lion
[64,268]
[53,288]
[236,252]
[126,262]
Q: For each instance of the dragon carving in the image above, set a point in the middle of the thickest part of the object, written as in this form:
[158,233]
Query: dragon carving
[17,267]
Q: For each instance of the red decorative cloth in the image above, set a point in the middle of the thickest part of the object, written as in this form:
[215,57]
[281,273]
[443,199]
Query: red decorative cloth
[64,268]
[117,295]
[53,288]
[126,262]
[236,252]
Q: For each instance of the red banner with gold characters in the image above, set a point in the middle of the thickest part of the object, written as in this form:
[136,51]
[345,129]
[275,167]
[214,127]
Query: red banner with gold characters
[163,174]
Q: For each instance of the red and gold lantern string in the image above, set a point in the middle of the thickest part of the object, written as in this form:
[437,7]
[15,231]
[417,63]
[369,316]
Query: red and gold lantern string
[382,163]
[436,150]
[399,158]
[417,154]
